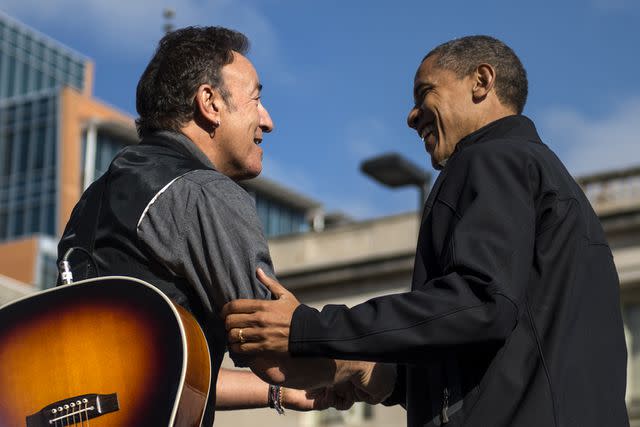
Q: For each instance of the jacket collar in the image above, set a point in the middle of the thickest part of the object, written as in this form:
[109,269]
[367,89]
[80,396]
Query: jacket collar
[180,143]
[510,127]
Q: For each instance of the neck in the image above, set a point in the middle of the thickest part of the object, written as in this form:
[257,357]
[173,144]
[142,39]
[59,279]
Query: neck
[201,139]
[492,112]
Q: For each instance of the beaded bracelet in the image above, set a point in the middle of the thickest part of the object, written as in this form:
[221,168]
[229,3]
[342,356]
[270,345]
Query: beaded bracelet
[276,398]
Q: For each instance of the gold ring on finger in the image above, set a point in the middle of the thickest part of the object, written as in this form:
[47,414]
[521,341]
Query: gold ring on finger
[240,337]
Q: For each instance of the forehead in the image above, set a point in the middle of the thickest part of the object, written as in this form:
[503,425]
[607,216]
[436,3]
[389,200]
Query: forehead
[240,73]
[428,71]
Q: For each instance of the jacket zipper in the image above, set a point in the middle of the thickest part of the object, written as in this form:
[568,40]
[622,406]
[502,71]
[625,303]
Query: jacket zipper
[444,416]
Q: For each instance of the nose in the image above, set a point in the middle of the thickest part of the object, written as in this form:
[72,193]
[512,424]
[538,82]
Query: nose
[412,118]
[266,124]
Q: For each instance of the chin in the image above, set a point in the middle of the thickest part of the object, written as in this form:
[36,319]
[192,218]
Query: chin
[254,172]
[250,173]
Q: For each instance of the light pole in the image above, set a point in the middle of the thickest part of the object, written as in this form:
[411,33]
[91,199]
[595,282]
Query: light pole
[168,15]
[395,170]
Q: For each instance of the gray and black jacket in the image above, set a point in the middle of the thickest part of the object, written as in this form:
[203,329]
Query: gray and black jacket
[163,214]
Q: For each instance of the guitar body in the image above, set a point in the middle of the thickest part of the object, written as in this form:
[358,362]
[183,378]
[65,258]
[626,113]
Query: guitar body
[111,351]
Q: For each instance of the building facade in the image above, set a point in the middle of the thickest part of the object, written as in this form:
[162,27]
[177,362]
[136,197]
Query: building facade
[46,114]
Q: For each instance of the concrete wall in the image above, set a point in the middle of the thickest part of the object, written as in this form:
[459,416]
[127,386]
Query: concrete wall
[18,259]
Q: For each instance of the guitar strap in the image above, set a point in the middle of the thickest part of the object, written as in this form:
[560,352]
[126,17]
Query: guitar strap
[85,266]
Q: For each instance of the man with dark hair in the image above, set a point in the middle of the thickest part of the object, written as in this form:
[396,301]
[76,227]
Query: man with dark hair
[169,210]
[513,318]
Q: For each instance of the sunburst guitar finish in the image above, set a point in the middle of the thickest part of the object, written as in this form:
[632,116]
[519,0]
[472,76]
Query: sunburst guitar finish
[106,352]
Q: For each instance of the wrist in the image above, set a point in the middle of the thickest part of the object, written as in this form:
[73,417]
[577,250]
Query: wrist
[275,398]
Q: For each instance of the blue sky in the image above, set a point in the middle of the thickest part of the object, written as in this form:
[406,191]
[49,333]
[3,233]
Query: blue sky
[338,75]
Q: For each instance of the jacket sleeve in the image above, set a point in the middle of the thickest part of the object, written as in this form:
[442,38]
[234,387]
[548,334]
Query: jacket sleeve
[483,218]
[209,233]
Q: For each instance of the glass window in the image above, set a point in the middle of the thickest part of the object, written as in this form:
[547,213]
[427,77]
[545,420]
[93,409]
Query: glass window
[107,146]
[7,154]
[23,147]
[53,59]
[13,36]
[39,50]
[40,147]
[66,65]
[3,224]
[274,220]
[263,211]
[10,115]
[11,75]
[278,219]
[24,75]
[50,213]
[18,222]
[285,222]
[26,113]
[34,226]
[49,272]
[39,80]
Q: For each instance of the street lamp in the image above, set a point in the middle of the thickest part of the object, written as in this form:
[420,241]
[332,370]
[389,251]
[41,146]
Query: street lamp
[394,170]
[168,14]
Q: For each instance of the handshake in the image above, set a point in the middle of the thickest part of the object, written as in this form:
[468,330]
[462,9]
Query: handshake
[259,329]
[352,382]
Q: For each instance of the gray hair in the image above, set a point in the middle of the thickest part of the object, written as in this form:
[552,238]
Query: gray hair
[463,55]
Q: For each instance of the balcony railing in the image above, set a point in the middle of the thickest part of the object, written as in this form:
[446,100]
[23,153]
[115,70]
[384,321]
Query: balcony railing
[613,192]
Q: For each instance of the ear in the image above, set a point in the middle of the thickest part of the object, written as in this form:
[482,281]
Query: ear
[484,81]
[208,102]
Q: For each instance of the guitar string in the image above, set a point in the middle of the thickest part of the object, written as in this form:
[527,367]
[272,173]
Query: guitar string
[86,412]
[86,407]
[80,411]
[79,415]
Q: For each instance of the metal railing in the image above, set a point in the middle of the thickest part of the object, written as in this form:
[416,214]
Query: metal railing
[613,192]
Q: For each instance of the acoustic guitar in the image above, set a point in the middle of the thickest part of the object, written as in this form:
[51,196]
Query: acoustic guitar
[111,351]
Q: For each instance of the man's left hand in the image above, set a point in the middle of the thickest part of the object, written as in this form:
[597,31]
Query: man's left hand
[255,326]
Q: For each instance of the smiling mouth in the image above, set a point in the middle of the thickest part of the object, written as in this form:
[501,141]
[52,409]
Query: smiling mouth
[426,131]
[257,141]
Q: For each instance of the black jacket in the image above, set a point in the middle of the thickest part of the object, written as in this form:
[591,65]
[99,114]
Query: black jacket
[514,315]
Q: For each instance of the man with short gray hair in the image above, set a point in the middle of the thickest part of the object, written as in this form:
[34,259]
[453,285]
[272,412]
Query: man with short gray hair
[513,318]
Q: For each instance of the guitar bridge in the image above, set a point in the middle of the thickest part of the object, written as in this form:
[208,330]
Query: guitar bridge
[74,410]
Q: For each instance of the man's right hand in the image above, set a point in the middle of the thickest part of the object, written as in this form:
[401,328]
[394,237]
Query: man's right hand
[258,326]
[372,382]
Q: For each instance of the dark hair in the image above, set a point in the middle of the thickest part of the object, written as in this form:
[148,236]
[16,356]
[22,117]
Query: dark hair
[184,59]
[463,55]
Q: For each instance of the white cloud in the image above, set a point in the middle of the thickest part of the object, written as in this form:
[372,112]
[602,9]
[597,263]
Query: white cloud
[595,144]
[615,5]
[133,27]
